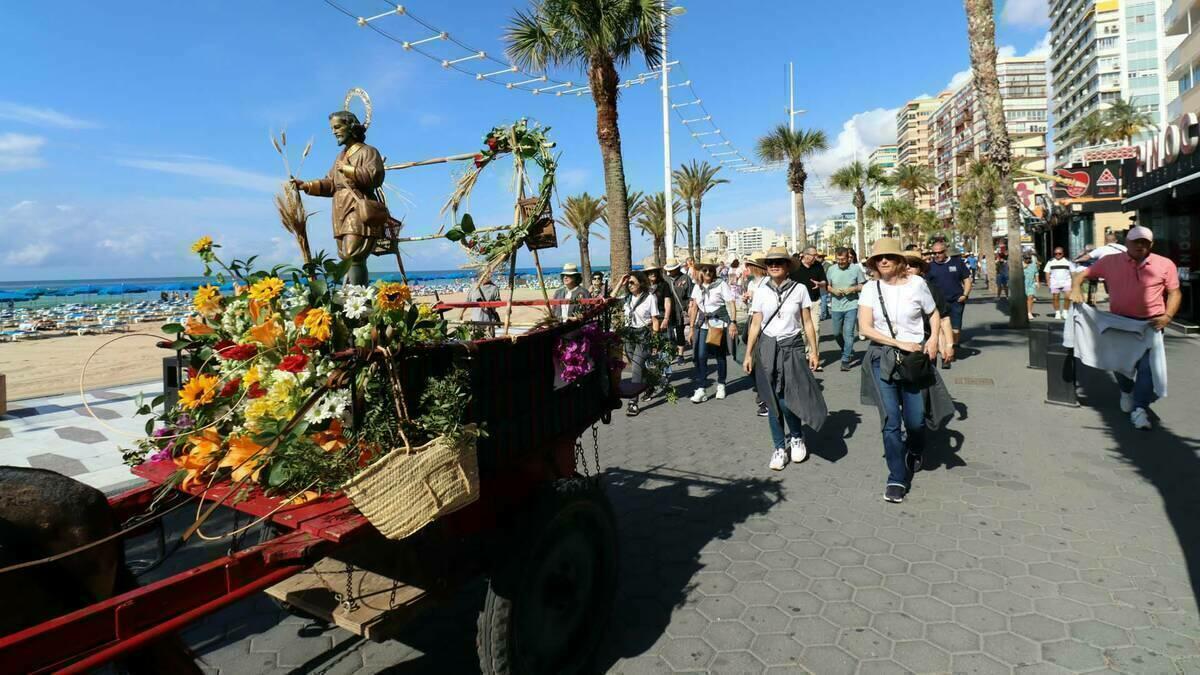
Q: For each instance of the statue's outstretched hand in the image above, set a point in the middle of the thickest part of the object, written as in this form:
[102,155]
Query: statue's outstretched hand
[298,184]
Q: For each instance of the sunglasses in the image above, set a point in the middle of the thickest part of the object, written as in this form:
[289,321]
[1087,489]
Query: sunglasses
[777,263]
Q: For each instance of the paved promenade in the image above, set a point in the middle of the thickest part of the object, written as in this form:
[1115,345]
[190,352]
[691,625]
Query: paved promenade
[1039,539]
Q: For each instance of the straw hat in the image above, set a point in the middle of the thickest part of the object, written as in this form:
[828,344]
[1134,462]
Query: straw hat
[917,261]
[672,264]
[754,259]
[775,253]
[882,247]
[571,270]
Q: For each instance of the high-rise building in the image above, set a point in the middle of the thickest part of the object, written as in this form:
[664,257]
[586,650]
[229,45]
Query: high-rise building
[1103,51]
[823,238]
[1182,22]
[885,157]
[717,241]
[913,136]
[960,134]
[750,240]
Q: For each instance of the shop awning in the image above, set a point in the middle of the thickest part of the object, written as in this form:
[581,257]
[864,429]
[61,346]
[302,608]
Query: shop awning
[1159,189]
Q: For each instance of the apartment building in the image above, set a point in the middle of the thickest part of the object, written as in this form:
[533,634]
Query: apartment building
[749,240]
[913,135]
[959,134]
[1103,51]
[886,157]
[1181,21]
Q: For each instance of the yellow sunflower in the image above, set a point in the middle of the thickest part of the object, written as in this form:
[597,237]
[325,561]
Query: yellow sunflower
[317,323]
[267,289]
[200,390]
[392,295]
[207,300]
[202,245]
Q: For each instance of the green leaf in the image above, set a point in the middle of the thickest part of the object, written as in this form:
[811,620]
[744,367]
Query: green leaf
[172,328]
[150,426]
[180,344]
[158,400]
[454,234]
[220,277]
[468,224]
[278,474]
[317,290]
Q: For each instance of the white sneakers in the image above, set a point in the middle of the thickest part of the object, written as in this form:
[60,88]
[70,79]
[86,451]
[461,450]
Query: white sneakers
[1139,417]
[1126,402]
[720,392]
[799,450]
[778,459]
[699,396]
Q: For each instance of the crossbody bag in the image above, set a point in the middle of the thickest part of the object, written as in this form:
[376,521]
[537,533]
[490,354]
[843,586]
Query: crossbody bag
[912,368]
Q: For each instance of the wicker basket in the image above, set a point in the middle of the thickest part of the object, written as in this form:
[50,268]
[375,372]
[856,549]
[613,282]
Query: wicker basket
[406,491]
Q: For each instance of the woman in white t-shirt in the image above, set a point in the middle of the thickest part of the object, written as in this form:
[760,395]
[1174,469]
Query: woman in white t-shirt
[641,314]
[713,309]
[891,314]
[781,320]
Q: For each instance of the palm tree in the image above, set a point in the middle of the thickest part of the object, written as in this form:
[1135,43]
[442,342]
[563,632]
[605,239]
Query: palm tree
[793,147]
[1125,121]
[633,205]
[977,205]
[685,190]
[857,177]
[1091,129]
[891,212]
[914,179]
[652,219]
[700,177]
[595,36]
[981,36]
[580,212]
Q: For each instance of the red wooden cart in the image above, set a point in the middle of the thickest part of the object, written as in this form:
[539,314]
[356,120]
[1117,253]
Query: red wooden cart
[542,532]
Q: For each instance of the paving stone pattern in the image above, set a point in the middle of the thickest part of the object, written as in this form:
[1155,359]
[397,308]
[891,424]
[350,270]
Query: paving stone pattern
[1039,539]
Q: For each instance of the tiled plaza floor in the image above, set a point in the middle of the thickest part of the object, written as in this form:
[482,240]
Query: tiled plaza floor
[1039,539]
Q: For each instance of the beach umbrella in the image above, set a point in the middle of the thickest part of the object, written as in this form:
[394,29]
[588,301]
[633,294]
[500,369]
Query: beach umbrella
[5,296]
[85,289]
[174,286]
[32,290]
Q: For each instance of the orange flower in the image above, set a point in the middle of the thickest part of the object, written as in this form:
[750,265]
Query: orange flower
[317,323]
[198,391]
[331,440]
[245,457]
[267,333]
[392,295]
[206,445]
[256,311]
[195,326]
[304,498]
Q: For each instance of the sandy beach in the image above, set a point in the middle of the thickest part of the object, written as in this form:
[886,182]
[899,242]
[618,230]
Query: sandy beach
[52,366]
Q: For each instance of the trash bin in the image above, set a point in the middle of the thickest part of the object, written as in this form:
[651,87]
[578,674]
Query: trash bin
[1060,369]
[1038,339]
[172,381]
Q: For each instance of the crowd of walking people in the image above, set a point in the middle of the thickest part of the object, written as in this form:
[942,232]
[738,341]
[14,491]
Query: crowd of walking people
[907,304]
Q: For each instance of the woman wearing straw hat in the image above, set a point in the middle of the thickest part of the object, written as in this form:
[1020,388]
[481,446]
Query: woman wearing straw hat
[572,291]
[641,314]
[756,276]
[892,311]
[670,315]
[712,319]
[781,310]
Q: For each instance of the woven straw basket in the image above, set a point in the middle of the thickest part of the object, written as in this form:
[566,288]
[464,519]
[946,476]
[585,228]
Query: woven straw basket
[406,491]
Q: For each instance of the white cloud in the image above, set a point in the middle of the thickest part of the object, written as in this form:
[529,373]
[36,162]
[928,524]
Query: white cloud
[573,179]
[1025,13]
[30,254]
[42,117]
[19,152]
[1042,48]
[860,135]
[214,172]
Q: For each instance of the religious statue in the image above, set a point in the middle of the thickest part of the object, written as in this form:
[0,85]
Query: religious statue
[355,183]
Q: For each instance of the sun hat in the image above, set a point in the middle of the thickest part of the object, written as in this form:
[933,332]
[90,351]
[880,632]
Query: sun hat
[570,270]
[776,253]
[1139,232]
[672,264]
[882,247]
[755,259]
[917,260]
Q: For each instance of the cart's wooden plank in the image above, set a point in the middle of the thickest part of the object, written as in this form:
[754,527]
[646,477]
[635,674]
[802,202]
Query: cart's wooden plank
[378,616]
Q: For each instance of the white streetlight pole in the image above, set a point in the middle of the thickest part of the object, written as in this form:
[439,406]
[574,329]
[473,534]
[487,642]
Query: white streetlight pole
[792,112]
[668,191]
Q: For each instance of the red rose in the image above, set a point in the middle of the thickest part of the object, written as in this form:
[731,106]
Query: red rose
[255,391]
[221,346]
[239,352]
[294,363]
[308,342]
[192,372]
[231,387]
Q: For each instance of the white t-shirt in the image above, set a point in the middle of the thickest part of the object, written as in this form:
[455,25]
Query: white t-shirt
[1107,249]
[907,305]
[647,309]
[1058,272]
[789,321]
[710,299]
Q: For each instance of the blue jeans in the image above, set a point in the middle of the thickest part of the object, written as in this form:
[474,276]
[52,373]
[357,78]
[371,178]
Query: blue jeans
[824,304]
[700,351]
[1142,387]
[901,403]
[844,324]
[793,423]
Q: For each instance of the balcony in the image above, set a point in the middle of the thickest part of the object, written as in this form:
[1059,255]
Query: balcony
[1181,59]
[1175,19]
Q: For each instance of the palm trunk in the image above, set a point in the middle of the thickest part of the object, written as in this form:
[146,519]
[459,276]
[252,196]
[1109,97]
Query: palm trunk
[660,251]
[801,242]
[602,77]
[585,256]
[860,200]
[698,204]
[981,35]
[691,238]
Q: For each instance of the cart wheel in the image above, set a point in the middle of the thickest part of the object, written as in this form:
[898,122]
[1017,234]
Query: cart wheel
[548,606]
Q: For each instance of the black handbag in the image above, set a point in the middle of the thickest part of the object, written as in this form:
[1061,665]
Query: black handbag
[913,368]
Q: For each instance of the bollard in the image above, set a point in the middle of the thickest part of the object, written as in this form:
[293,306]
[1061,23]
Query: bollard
[1060,370]
[1038,339]
[172,381]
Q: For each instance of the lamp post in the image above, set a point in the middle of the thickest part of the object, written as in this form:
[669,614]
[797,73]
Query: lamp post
[668,191]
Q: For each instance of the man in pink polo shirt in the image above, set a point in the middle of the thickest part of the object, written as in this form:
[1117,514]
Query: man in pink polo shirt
[1141,285]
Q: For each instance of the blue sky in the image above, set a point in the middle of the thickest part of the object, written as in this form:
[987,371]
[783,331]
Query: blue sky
[128,130]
